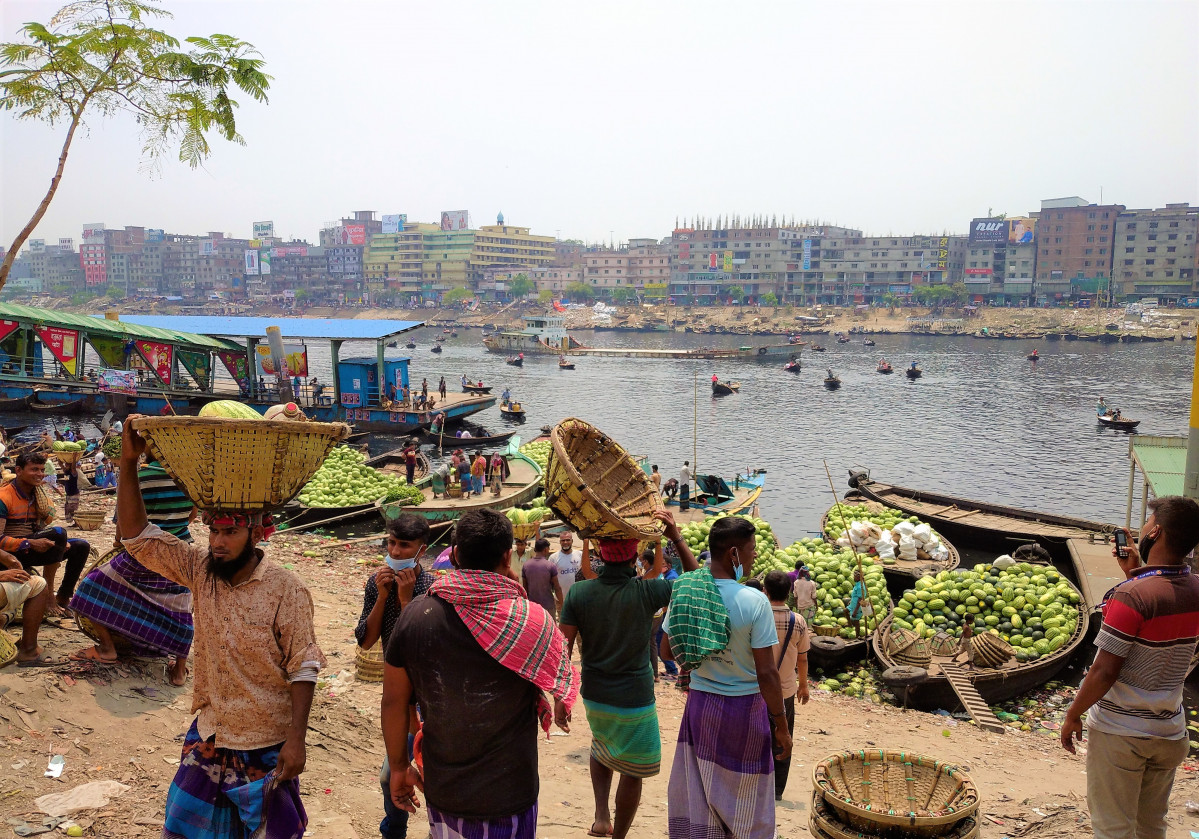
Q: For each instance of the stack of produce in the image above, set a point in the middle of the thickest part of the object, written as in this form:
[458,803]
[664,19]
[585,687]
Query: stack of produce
[885,533]
[861,683]
[696,536]
[832,570]
[1031,607]
[531,516]
[537,451]
[112,447]
[60,446]
[229,409]
[344,481]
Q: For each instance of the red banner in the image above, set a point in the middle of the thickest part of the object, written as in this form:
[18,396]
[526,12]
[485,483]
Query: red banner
[63,343]
[160,357]
[7,327]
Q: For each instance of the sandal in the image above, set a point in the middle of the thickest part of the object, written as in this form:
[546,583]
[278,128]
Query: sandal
[91,654]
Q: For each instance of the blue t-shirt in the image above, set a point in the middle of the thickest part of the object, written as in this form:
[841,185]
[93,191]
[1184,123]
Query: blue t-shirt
[731,672]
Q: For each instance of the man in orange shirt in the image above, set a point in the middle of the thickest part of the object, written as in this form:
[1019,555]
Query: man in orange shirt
[478,468]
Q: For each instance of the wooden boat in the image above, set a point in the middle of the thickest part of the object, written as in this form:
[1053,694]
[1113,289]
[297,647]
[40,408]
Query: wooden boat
[453,333]
[296,514]
[725,388]
[1033,356]
[712,494]
[435,348]
[841,339]
[793,367]
[523,485]
[913,372]
[1119,424]
[11,431]
[818,348]
[515,361]
[566,365]
[993,526]
[21,404]
[411,345]
[832,382]
[70,406]
[393,461]
[512,411]
[993,684]
[451,441]
[470,387]
[903,573]
[867,343]
[884,367]
[441,339]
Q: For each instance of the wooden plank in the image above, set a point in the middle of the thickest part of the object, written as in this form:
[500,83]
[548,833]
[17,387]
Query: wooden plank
[1095,568]
[978,709]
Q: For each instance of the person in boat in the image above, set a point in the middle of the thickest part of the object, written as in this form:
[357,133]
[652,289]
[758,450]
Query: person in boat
[391,394]
[1101,407]
[914,367]
[424,391]
[506,397]
[465,381]
[1116,415]
[715,378]
[499,472]
[857,606]
[441,391]
[318,389]
[438,422]
[830,373]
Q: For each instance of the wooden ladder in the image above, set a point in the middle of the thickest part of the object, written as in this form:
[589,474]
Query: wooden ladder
[978,710]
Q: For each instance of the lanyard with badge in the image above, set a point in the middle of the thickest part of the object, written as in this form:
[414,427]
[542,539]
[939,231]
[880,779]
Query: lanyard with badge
[1162,571]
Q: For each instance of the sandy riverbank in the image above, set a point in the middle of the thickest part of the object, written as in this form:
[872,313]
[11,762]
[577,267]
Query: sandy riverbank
[124,722]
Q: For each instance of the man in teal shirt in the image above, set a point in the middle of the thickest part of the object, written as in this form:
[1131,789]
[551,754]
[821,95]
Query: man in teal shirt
[614,614]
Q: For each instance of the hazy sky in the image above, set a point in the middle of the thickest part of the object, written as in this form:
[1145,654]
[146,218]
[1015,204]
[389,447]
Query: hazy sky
[578,119]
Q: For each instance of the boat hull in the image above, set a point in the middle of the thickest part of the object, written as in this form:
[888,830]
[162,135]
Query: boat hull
[451,512]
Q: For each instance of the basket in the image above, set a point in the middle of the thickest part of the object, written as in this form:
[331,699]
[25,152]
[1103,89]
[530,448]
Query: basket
[894,794]
[238,465]
[8,649]
[825,823]
[918,654]
[944,644]
[89,519]
[897,639]
[526,532]
[827,631]
[368,664]
[67,457]
[454,490]
[596,487]
[85,624]
[987,650]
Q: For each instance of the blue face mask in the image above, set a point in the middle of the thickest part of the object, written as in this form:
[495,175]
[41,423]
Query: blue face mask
[738,568]
[400,564]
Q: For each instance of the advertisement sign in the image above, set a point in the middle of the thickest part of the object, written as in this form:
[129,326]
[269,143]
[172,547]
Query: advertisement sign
[207,247]
[7,327]
[351,234]
[238,366]
[93,234]
[393,223]
[807,254]
[158,356]
[254,243]
[988,230]
[198,365]
[1021,230]
[116,381]
[728,262]
[712,258]
[67,244]
[251,262]
[979,271]
[685,251]
[63,343]
[264,263]
[264,229]
[455,220]
[112,351]
[37,245]
[295,360]
[943,253]
[290,250]
[155,235]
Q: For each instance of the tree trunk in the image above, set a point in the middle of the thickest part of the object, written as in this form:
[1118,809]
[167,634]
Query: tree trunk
[15,247]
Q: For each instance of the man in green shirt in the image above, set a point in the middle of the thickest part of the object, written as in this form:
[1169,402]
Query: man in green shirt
[614,613]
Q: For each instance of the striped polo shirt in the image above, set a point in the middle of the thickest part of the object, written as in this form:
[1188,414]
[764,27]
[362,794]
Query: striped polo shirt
[166,505]
[22,514]
[1153,624]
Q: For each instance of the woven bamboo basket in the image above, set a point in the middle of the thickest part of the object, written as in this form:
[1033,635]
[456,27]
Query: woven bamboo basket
[594,485]
[826,823]
[827,631]
[120,642]
[918,654]
[527,532]
[89,519]
[239,465]
[8,649]
[67,457]
[895,794]
[368,664]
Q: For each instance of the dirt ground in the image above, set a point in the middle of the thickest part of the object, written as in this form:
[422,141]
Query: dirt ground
[125,723]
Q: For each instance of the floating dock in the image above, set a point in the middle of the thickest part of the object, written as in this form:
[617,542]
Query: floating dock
[772,353]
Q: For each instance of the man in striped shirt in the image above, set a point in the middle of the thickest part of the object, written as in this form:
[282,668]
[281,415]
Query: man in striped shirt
[1136,728]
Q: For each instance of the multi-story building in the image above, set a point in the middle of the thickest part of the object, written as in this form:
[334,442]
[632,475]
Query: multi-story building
[1074,247]
[505,246]
[393,263]
[1000,260]
[1157,252]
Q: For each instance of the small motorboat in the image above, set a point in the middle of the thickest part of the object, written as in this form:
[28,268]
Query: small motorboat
[841,339]
[913,372]
[516,360]
[475,387]
[440,339]
[454,333]
[720,388]
[1033,356]
[793,366]
[867,342]
[884,367]
[1118,423]
[831,381]
[818,348]
[411,345]
[435,348]
[446,331]
[563,364]
[512,411]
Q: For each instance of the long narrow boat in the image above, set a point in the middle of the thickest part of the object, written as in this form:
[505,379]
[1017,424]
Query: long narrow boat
[993,526]
[450,441]
[473,388]
[725,388]
[712,494]
[67,407]
[393,461]
[11,431]
[993,684]
[523,485]
[903,572]
[15,404]
[1119,424]
[296,514]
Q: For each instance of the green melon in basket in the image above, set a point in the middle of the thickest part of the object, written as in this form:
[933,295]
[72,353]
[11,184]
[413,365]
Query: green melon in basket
[229,408]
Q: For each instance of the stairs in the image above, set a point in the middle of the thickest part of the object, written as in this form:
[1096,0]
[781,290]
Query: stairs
[978,710]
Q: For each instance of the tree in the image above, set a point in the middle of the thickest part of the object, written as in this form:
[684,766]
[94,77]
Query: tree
[456,295]
[99,57]
[114,293]
[621,294]
[545,297]
[770,299]
[737,293]
[521,286]
[580,291]
[302,295]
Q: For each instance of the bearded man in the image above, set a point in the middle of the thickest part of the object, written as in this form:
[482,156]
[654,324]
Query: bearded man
[256,664]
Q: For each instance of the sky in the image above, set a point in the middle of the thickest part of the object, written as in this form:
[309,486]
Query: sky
[606,121]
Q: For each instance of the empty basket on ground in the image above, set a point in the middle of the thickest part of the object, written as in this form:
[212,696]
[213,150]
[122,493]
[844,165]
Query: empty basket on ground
[594,485]
[8,649]
[826,823]
[827,631]
[89,519]
[231,465]
[369,663]
[895,794]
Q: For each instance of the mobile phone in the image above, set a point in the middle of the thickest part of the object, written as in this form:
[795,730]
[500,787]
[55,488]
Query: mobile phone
[1122,543]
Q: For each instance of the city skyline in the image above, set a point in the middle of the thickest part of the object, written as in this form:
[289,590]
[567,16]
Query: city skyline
[589,120]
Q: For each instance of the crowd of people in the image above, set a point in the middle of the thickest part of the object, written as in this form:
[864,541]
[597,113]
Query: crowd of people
[480,656]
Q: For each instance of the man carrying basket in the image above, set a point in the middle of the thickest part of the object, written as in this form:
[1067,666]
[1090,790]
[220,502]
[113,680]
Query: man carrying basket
[256,664]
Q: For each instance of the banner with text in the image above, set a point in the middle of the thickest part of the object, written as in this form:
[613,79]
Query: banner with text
[237,365]
[943,253]
[198,365]
[264,229]
[988,230]
[251,262]
[351,234]
[264,262]
[159,356]
[394,222]
[63,343]
[116,381]
[455,220]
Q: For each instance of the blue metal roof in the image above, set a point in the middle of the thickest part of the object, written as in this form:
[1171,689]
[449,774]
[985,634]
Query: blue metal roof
[343,329]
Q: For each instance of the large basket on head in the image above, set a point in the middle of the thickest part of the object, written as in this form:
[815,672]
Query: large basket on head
[67,457]
[368,664]
[239,465]
[895,794]
[526,532]
[595,486]
[89,519]
[826,823]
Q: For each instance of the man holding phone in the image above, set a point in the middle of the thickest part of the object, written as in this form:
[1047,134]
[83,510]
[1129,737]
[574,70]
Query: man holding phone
[1136,728]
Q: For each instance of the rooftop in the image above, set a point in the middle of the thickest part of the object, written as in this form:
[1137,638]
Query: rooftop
[341,329]
[1162,460]
[119,329]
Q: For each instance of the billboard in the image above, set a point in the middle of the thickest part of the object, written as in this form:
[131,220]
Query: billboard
[393,223]
[295,360]
[264,229]
[1021,231]
[455,220]
[712,257]
[207,247]
[728,262]
[290,250]
[979,271]
[988,230]
[251,262]
[807,254]
[264,262]
[154,235]
[93,234]
[37,245]
[351,234]
[255,243]
[943,253]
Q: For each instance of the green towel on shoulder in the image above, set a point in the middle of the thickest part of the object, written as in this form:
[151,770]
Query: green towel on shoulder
[699,622]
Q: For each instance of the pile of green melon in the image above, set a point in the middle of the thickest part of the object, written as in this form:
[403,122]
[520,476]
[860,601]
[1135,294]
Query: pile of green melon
[537,451]
[344,481]
[696,536]
[61,446]
[1032,607]
[861,682]
[832,570]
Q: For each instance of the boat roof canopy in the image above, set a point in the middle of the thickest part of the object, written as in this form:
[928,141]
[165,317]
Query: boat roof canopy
[333,329]
[113,328]
[1162,460]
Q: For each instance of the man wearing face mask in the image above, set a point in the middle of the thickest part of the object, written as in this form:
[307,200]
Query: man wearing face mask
[398,582]
[1132,695]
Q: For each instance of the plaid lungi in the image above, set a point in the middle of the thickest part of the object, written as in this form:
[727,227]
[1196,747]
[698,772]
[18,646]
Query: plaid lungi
[722,781]
[626,740]
[523,825]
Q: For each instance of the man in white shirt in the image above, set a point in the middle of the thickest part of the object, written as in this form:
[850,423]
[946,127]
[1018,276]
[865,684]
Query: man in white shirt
[569,561]
[685,486]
